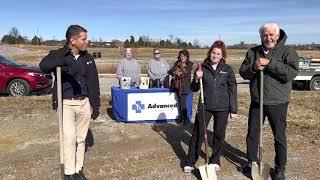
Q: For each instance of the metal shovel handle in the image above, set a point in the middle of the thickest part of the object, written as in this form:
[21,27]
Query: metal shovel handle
[60,117]
[203,115]
[261,122]
[201,85]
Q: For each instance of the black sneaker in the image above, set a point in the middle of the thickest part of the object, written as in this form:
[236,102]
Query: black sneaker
[279,174]
[70,177]
[246,168]
[81,175]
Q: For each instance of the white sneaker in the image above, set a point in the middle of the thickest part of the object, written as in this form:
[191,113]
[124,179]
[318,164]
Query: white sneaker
[188,169]
[254,170]
[216,167]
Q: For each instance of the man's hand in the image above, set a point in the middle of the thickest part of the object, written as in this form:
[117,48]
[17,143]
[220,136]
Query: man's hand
[55,105]
[95,114]
[232,115]
[138,82]
[261,63]
[70,66]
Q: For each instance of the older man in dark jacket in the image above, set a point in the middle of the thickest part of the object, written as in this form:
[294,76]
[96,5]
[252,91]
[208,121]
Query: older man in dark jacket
[280,66]
[80,93]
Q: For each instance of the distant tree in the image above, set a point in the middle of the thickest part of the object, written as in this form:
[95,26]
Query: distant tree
[14,37]
[8,39]
[178,42]
[168,43]
[242,45]
[117,43]
[140,42]
[162,43]
[171,37]
[184,45]
[196,43]
[126,43]
[21,40]
[146,40]
[14,32]
[132,41]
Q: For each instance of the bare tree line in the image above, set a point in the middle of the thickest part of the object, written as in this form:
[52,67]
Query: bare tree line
[14,37]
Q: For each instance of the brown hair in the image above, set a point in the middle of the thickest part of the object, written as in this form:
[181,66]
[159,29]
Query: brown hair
[74,30]
[185,53]
[218,44]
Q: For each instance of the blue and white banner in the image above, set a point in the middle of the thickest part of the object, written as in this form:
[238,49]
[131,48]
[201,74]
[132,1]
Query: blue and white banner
[152,106]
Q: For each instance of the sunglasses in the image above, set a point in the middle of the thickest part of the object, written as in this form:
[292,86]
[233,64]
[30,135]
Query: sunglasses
[156,53]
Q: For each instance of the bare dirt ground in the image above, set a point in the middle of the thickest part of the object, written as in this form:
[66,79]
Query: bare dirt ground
[29,141]
[29,144]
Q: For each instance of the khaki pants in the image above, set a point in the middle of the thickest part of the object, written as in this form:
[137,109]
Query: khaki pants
[76,120]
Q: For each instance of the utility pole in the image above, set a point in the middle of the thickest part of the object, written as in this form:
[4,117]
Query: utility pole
[38,39]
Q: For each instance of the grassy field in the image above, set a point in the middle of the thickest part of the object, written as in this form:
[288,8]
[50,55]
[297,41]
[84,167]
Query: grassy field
[304,109]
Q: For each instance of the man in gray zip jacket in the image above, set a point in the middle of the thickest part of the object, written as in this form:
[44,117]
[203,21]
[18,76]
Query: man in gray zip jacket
[280,66]
[157,69]
[129,67]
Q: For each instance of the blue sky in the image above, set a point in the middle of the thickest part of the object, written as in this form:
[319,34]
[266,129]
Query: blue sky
[201,20]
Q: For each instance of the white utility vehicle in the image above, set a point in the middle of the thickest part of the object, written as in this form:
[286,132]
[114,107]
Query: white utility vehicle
[309,73]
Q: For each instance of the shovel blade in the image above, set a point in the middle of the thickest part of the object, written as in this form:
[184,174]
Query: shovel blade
[208,172]
[265,171]
[257,175]
[255,171]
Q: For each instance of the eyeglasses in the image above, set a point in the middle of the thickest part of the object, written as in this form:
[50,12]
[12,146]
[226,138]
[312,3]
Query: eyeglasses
[156,53]
[219,42]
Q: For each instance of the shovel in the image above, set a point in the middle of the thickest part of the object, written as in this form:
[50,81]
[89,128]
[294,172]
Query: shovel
[207,171]
[59,94]
[260,171]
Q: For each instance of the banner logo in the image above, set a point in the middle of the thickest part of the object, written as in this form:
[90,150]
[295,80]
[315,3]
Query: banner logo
[138,107]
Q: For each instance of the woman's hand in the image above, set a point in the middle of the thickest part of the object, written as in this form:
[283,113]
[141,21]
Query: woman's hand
[199,74]
[232,115]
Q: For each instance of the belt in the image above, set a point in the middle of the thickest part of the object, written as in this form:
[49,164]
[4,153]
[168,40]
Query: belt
[76,98]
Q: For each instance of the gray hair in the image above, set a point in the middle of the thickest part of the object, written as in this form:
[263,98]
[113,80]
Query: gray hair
[127,49]
[270,25]
[156,49]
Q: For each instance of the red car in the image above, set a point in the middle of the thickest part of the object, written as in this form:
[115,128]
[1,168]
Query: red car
[20,79]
